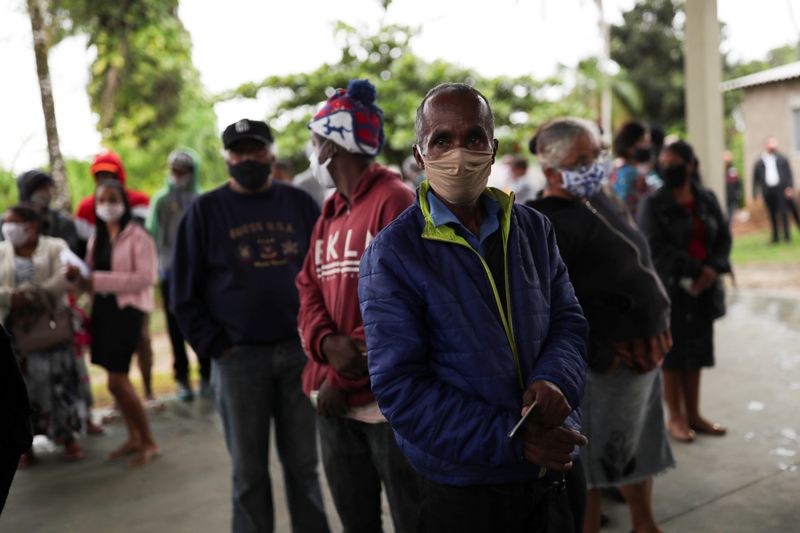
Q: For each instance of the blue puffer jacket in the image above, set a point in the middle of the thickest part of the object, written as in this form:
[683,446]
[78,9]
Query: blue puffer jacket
[446,367]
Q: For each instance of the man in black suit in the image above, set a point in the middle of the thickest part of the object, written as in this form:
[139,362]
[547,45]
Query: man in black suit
[772,177]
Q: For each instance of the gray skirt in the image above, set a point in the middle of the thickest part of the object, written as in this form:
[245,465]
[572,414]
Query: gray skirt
[623,419]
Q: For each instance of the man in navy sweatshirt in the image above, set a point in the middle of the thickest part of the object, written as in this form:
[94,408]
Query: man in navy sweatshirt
[237,253]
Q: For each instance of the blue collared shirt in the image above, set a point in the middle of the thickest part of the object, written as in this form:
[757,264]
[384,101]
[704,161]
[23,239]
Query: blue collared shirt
[441,215]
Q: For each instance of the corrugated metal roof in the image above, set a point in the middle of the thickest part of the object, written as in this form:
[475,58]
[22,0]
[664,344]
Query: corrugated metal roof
[782,73]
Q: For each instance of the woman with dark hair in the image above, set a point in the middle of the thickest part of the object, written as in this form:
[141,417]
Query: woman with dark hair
[628,312]
[691,244]
[629,181]
[34,281]
[123,257]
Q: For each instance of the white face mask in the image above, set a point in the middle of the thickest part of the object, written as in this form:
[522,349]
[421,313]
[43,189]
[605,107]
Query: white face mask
[320,171]
[110,212]
[16,233]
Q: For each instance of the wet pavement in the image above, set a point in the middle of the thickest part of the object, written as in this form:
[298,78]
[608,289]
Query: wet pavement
[747,481]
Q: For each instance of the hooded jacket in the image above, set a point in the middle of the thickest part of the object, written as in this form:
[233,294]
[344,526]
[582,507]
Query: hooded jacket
[138,201]
[448,361]
[166,210]
[328,283]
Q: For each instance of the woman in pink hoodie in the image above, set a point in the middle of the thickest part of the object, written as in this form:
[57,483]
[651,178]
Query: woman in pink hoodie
[123,258]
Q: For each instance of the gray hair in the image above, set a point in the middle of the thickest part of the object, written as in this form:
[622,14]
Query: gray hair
[555,140]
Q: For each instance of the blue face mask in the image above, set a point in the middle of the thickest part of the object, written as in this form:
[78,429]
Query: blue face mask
[585,181]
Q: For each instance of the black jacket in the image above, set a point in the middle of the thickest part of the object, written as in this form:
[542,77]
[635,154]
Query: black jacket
[668,228]
[610,267]
[760,173]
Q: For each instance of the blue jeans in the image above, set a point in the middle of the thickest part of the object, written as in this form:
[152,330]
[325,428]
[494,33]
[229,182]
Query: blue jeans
[252,385]
[357,457]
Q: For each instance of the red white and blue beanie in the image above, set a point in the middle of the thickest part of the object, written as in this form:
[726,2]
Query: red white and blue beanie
[351,119]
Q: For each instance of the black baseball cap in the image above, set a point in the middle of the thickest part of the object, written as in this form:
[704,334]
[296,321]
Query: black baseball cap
[246,129]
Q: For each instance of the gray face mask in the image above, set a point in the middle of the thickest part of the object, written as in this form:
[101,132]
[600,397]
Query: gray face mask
[42,198]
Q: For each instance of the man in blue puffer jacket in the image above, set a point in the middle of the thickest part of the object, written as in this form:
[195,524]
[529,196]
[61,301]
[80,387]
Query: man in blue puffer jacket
[470,319]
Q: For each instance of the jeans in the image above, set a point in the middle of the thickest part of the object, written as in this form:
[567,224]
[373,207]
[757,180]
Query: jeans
[180,359]
[357,457]
[252,385]
[510,508]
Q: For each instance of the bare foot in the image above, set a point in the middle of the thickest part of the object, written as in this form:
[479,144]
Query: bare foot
[145,455]
[73,452]
[128,448]
[701,425]
[680,431]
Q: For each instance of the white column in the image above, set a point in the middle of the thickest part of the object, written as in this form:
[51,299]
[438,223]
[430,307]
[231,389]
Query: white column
[702,68]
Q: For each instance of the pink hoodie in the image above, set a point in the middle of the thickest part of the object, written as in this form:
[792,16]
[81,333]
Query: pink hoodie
[133,269]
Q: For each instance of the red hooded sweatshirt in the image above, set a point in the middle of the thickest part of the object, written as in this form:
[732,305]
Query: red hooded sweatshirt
[328,283]
[111,162]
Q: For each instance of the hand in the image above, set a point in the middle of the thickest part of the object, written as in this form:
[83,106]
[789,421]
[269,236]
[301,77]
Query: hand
[331,401]
[71,273]
[706,279]
[346,355]
[660,345]
[550,447]
[87,284]
[551,408]
[789,192]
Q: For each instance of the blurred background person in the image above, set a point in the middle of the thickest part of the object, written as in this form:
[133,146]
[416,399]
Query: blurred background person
[412,174]
[733,186]
[691,244]
[629,181]
[773,180]
[167,208]
[33,283]
[518,180]
[37,187]
[628,311]
[123,256]
[283,170]
[105,166]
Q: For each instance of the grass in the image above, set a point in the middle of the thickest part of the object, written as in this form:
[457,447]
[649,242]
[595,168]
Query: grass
[756,248]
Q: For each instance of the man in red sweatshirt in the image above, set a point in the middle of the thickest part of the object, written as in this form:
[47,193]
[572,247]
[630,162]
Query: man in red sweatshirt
[358,447]
[108,165]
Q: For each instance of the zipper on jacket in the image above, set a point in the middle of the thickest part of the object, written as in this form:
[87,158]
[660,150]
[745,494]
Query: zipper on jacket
[625,238]
[504,318]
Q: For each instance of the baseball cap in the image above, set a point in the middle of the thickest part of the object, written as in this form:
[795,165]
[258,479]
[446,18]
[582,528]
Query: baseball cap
[246,129]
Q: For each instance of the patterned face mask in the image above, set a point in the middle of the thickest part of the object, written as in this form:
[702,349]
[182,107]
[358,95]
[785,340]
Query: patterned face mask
[584,181]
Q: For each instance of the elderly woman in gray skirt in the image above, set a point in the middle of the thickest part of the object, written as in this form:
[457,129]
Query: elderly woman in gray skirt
[628,311]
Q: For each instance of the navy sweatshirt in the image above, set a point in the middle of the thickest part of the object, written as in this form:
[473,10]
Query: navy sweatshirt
[236,258]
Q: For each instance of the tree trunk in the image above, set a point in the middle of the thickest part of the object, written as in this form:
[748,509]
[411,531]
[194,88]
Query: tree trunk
[40,50]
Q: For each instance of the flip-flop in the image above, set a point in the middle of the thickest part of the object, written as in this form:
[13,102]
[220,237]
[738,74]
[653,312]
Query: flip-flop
[715,429]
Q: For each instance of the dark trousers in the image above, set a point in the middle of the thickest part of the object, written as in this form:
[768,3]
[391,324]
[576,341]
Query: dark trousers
[511,508]
[252,386]
[9,459]
[180,359]
[777,206]
[357,457]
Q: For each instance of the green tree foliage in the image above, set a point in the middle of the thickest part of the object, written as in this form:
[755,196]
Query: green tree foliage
[648,45]
[143,86]
[520,104]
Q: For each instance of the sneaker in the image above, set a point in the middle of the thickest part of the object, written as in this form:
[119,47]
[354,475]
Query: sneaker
[185,392]
[206,391]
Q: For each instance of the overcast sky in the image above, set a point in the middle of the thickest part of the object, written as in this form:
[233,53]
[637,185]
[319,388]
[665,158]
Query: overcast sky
[246,40]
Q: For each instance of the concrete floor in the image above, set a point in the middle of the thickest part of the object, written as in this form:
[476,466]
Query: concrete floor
[748,481]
